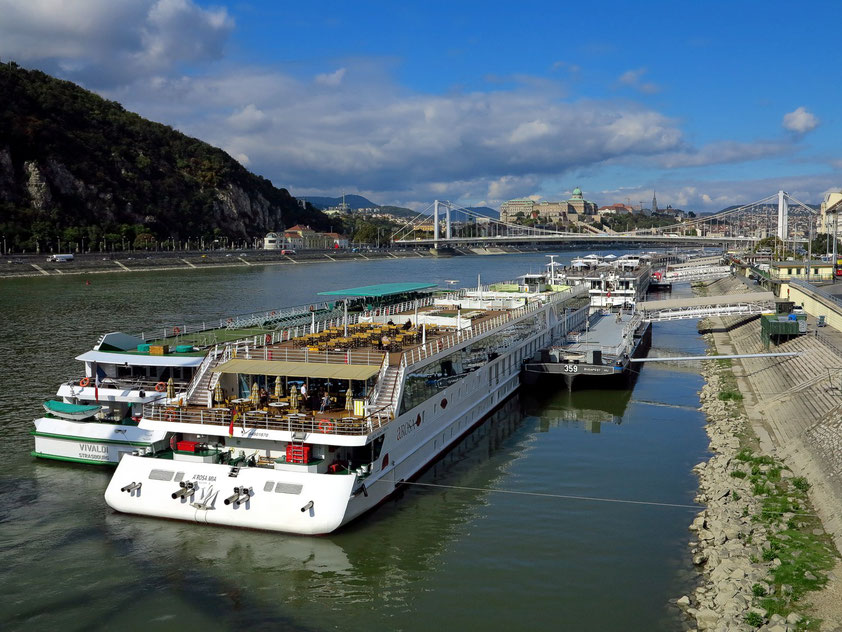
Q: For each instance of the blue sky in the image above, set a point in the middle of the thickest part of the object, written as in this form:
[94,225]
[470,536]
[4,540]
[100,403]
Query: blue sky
[711,103]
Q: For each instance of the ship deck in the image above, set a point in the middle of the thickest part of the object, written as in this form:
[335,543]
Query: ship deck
[607,334]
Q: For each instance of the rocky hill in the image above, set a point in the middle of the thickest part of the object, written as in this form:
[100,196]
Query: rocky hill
[73,164]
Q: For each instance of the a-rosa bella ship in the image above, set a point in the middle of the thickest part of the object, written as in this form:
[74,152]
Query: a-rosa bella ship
[308,428]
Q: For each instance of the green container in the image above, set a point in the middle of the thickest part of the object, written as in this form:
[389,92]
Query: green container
[143,348]
[183,348]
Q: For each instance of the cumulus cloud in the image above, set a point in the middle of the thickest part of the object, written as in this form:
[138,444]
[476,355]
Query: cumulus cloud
[332,78]
[106,43]
[373,135]
[714,195]
[723,152]
[248,119]
[800,121]
[634,79]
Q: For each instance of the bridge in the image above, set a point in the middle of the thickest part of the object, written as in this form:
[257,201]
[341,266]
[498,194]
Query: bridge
[779,215]
[704,306]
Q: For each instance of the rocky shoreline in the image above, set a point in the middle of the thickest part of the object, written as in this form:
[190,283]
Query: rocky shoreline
[757,544]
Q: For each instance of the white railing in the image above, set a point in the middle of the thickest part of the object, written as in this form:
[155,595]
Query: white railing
[375,392]
[351,356]
[200,374]
[315,423]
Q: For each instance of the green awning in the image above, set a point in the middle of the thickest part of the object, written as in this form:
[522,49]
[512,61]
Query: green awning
[381,289]
[299,369]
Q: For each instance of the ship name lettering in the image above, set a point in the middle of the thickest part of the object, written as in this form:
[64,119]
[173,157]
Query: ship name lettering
[94,447]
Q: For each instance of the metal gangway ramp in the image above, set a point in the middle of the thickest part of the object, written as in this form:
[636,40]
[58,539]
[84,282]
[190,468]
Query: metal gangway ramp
[703,306]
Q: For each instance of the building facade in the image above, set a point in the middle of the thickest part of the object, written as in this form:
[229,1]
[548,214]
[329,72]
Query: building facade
[575,209]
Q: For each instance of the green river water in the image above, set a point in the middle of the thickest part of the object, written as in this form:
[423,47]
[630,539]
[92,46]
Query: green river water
[455,557]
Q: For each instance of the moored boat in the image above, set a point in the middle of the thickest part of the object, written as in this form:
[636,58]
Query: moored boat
[385,392]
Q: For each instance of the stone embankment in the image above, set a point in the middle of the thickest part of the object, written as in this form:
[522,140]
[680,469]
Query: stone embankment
[758,543]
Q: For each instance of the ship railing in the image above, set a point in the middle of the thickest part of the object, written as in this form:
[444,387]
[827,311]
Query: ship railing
[422,352]
[129,384]
[397,308]
[259,420]
[379,383]
[209,359]
[351,356]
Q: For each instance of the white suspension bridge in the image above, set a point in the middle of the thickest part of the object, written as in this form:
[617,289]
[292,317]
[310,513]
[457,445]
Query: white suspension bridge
[445,224]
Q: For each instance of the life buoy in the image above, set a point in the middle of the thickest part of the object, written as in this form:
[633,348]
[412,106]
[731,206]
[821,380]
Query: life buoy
[273,313]
[325,426]
[169,414]
[268,338]
[84,381]
[176,330]
[160,387]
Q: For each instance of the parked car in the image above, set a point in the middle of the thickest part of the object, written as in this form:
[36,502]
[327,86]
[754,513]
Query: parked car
[287,251]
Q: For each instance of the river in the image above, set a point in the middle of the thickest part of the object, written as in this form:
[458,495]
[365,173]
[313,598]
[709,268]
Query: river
[459,555]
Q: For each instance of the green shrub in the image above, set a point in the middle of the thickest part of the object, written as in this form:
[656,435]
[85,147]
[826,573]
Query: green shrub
[738,474]
[754,619]
[758,591]
[800,483]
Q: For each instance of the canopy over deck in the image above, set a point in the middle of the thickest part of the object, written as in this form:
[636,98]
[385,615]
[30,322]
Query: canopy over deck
[380,290]
[299,369]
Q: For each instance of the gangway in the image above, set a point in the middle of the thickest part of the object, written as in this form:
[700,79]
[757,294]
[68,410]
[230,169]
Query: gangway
[697,273]
[705,306]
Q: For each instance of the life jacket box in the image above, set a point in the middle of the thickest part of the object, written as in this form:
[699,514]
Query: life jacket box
[159,349]
[298,453]
[187,446]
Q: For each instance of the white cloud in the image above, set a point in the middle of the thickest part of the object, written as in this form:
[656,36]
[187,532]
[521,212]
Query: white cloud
[634,79]
[331,79]
[108,42]
[249,119]
[369,134]
[800,121]
[723,152]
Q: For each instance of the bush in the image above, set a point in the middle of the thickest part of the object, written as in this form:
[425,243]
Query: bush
[800,483]
[754,619]
[733,396]
[738,474]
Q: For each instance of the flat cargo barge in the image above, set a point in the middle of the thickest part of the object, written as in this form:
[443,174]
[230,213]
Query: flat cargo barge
[599,357]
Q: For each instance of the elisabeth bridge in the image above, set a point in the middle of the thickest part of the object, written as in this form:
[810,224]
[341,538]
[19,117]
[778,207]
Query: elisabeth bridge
[444,224]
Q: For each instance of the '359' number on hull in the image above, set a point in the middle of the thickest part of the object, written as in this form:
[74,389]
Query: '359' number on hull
[571,368]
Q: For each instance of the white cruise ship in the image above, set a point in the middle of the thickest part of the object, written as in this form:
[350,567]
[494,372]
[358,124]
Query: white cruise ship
[306,431]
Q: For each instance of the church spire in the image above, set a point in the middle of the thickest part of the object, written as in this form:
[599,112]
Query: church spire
[654,202]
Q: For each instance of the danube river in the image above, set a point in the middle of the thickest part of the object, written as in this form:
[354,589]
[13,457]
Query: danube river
[460,556]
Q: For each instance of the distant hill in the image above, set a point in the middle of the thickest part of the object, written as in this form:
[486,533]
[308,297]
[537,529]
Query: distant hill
[353,201]
[76,166]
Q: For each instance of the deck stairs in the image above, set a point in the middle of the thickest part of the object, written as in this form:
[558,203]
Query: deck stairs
[386,389]
[200,392]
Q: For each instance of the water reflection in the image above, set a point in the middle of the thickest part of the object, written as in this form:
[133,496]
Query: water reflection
[588,409]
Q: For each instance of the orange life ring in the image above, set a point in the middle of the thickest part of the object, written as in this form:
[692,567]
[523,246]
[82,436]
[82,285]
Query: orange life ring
[169,414]
[160,387]
[176,330]
[84,381]
[325,426]
[273,313]
[268,338]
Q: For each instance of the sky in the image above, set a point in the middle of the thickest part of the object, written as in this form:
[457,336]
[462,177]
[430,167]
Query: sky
[707,103]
